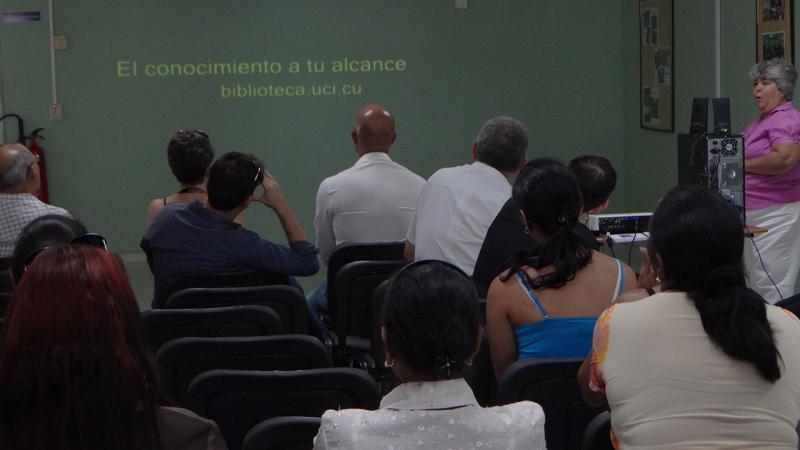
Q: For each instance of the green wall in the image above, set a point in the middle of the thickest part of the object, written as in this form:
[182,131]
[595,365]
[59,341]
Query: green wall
[554,65]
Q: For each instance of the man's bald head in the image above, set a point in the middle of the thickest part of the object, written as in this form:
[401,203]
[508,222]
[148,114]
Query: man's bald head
[16,162]
[373,130]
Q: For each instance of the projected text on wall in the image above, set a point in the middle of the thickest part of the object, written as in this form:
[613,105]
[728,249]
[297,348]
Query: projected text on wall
[253,70]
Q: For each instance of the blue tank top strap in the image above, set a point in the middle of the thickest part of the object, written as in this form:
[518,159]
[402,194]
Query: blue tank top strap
[526,286]
[620,287]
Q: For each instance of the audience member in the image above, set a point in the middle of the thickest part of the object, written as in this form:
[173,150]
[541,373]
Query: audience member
[373,201]
[19,180]
[189,155]
[203,238]
[546,304]
[43,232]
[718,367]
[431,335]
[457,204]
[75,371]
[506,236]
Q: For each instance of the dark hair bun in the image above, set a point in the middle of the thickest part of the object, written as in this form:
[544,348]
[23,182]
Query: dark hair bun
[431,318]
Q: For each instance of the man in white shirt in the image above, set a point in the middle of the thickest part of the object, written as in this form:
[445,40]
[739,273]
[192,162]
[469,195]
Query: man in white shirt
[373,201]
[19,181]
[457,204]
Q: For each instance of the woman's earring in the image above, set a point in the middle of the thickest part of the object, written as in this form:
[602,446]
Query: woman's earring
[389,362]
[468,363]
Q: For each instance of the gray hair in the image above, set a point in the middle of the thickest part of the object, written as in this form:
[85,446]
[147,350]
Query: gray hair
[779,71]
[17,171]
[502,143]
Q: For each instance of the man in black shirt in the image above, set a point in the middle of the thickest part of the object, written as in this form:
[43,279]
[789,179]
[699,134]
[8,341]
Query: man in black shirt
[506,235]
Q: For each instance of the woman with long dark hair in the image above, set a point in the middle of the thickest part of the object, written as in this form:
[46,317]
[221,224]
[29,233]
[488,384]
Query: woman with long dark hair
[705,363]
[75,370]
[546,304]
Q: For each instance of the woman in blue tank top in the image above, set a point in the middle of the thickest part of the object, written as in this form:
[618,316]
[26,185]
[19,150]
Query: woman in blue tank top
[547,303]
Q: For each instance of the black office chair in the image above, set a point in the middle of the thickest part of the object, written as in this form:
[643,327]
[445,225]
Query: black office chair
[238,399]
[163,325]
[288,302]
[553,385]
[181,360]
[597,435]
[283,433]
[373,251]
[351,308]
[244,278]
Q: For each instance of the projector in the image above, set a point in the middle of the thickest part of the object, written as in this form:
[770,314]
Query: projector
[626,223]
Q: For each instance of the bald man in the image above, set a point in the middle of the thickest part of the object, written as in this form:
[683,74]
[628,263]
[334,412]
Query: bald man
[19,180]
[374,200]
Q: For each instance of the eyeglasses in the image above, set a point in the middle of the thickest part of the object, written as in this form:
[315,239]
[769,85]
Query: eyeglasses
[90,239]
[36,159]
[192,131]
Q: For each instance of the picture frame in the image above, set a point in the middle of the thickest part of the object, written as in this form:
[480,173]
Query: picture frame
[656,65]
[774,30]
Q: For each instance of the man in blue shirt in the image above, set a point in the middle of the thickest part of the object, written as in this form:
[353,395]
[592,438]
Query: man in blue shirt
[200,238]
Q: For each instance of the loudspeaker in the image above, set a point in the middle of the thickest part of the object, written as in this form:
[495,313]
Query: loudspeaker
[699,124]
[714,161]
[722,116]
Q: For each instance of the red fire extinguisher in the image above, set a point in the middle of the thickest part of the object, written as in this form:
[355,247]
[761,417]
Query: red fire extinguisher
[35,148]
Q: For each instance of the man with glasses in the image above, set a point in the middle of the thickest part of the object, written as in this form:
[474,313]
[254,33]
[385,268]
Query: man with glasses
[19,181]
[203,237]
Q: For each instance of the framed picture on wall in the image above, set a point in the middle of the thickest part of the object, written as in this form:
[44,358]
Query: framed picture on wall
[774,30]
[656,69]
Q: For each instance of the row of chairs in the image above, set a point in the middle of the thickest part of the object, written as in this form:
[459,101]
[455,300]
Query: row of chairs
[184,361]
[239,399]
[567,415]
[251,367]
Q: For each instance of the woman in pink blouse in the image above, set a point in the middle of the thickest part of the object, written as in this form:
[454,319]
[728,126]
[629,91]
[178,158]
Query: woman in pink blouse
[772,181]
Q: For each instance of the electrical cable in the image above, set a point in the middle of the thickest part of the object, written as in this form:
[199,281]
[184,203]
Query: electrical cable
[633,242]
[610,243]
[763,266]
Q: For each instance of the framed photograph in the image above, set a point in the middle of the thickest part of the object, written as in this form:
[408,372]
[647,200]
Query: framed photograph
[656,70]
[774,30]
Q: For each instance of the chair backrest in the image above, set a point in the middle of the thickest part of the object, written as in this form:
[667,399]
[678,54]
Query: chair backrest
[287,301]
[347,253]
[5,301]
[370,251]
[178,282]
[238,399]
[163,325]
[553,385]
[375,340]
[597,435]
[5,275]
[181,360]
[351,310]
[283,433]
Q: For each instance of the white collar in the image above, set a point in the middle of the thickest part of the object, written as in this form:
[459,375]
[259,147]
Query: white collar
[367,158]
[445,394]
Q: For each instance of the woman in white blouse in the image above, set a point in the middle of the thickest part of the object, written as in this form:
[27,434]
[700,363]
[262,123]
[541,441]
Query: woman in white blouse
[431,334]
